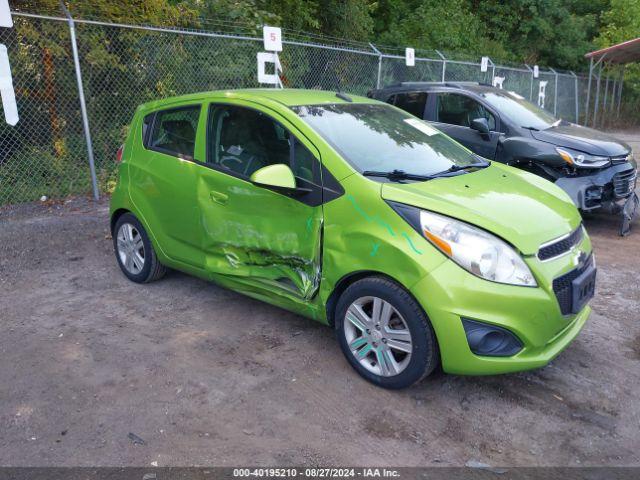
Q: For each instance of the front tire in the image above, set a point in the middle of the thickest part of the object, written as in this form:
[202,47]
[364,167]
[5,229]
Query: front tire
[134,251]
[384,333]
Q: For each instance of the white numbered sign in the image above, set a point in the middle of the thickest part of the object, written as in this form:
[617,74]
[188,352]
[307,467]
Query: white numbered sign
[410,57]
[536,71]
[272,37]
[484,64]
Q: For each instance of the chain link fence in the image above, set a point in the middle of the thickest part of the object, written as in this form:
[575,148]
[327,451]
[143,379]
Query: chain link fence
[122,66]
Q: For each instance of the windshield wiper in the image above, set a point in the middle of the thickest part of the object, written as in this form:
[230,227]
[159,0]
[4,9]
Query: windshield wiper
[457,168]
[396,175]
[531,128]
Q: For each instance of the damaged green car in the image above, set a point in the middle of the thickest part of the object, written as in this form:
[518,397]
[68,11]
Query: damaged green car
[356,214]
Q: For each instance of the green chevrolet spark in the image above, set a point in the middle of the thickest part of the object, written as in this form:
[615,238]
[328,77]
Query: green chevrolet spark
[360,216]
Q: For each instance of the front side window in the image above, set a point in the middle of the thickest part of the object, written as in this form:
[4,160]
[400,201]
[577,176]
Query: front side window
[412,102]
[243,140]
[174,131]
[380,137]
[456,109]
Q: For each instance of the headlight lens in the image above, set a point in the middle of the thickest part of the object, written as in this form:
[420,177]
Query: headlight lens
[475,250]
[580,159]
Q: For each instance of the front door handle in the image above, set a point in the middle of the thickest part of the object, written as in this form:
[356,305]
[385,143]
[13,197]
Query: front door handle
[219,197]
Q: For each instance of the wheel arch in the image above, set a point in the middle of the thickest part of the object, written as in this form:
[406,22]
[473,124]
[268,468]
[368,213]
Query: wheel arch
[115,216]
[344,283]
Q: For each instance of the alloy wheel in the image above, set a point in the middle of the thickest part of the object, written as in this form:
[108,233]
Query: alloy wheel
[378,336]
[130,248]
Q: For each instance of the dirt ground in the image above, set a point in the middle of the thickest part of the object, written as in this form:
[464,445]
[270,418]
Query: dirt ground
[206,376]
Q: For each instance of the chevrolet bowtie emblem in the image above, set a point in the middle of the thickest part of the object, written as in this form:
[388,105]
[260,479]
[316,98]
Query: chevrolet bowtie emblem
[580,258]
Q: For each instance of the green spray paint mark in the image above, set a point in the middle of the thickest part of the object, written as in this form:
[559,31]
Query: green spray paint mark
[379,221]
[369,218]
[413,247]
[374,250]
[358,209]
[385,225]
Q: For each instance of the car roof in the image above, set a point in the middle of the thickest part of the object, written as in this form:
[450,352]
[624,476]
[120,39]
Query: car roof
[475,87]
[286,96]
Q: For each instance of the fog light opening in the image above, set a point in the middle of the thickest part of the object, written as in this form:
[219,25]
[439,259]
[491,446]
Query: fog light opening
[490,340]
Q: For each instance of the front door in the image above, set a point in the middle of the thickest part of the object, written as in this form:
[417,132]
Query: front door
[453,113]
[264,239]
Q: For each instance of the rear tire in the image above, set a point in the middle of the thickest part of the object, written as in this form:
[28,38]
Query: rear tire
[134,251]
[384,333]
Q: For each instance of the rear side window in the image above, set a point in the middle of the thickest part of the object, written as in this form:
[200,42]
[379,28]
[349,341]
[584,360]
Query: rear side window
[174,131]
[412,102]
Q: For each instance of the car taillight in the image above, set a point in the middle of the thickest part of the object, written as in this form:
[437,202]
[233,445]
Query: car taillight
[119,154]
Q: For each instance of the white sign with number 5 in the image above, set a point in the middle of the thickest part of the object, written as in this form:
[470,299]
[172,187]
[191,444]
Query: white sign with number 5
[272,37]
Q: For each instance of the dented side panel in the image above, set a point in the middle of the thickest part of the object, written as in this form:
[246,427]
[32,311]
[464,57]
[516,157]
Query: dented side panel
[255,234]
[363,234]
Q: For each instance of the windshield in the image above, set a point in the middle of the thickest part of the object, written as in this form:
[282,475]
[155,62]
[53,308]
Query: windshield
[382,138]
[519,111]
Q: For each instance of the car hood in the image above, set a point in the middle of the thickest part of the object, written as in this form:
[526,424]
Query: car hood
[521,208]
[583,139]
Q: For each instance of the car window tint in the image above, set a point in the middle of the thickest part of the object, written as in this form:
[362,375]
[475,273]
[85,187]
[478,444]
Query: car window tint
[244,140]
[460,110]
[174,131]
[412,102]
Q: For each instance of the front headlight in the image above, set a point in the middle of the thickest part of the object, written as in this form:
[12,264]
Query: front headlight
[475,250]
[579,159]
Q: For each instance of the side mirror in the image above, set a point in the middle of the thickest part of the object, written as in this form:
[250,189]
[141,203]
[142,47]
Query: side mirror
[278,176]
[481,125]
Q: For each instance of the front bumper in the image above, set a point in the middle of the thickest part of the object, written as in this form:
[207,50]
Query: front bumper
[450,293]
[603,186]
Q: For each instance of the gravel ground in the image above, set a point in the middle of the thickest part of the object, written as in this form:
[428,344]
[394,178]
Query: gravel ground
[206,376]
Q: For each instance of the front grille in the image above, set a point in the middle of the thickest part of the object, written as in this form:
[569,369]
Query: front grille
[624,183]
[561,246]
[562,286]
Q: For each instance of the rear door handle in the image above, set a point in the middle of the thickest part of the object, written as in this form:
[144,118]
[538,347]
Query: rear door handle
[219,197]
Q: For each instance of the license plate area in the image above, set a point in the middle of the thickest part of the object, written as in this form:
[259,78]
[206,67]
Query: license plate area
[583,288]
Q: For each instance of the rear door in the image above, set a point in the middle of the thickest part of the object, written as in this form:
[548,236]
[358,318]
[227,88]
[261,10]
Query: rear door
[163,181]
[267,240]
[452,113]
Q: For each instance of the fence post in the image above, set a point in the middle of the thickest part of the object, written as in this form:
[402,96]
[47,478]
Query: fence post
[531,88]
[379,63]
[620,91]
[444,64]
[493,70]
[606,95]
[555,93]
[597,99]
[586,105]
[575,79]
[83,106]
